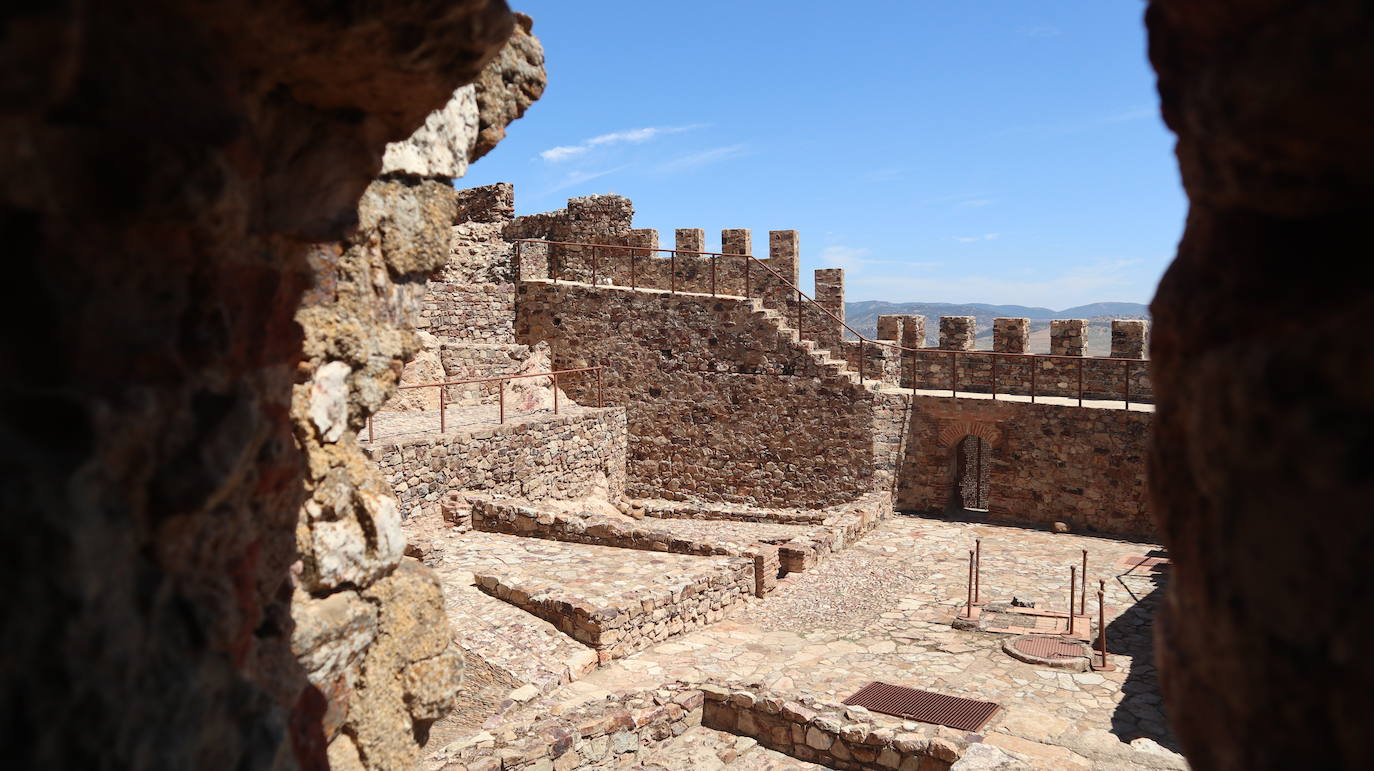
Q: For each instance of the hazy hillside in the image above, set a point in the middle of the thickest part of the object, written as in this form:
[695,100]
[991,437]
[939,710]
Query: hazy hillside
[863,316]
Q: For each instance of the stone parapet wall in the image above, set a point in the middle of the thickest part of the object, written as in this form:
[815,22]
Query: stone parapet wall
[580,452]
[1046,463]
[1102,378]
[722,405]
[828,733]
[1068,337]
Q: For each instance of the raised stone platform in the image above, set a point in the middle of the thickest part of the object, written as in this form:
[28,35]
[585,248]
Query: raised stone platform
[615,600]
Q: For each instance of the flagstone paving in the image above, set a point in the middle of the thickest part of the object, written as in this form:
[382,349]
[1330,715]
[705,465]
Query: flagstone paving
[881,610]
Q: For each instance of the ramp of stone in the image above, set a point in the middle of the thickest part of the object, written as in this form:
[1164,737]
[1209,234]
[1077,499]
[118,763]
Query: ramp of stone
[526,650]
[615,600]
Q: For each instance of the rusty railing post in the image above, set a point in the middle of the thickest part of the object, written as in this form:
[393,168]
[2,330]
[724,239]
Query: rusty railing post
[594,266]
[1083,599]
[1073,592]
[672,273]
[977,570]
[1127,384]
[501,400]
[633,253]
[1035,365]
[799,316]
[557,264]
[555,393]
[994,378]
[1080,382]
[443,408]
[1102,666]
[969,608]
[747,259]
[600,401]
[713,275]
[954,374]
[862,359]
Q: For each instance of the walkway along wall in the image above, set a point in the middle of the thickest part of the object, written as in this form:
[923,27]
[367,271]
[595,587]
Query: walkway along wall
[1047,463]
[722,402]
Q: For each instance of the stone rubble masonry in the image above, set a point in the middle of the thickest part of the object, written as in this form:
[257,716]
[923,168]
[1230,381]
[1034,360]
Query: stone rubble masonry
[825,328]
[604,733]
[578,453]
[636,619]
[1067,337]
[1048,463]
[723,405]
[1011,335]
[957,333]
[689,240]
[829,733]
[471,298]
[1128,339]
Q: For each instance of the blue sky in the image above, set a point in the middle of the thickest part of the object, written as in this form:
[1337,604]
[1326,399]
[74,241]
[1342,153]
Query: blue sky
[999,151]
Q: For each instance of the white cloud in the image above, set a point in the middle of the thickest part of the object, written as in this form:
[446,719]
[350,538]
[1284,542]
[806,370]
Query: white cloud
[629,136]
[991,236]
[1082,284]
[702,158]
[855,260]
[562,153]
[578,177]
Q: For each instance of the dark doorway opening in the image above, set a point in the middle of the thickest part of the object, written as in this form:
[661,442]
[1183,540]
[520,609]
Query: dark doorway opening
[969,464]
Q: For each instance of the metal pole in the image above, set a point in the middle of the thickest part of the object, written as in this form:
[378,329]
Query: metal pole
[593,266]
[600,402]
[555,394]
[1083,600]
[443,408]
[1080,382]
[555,263]
[969,608]
[713,275]
[747,260]
[633,253]
[1035,365]
[1128,384]
[672,271]
[862,358]
[799,315]
[954,374]
[977,570]
[502,401]
[994,378]
[1102,666]
[1073,591]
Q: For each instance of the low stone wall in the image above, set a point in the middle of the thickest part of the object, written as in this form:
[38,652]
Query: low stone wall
[690,510]
[496,516]
[580,452]
[839,527]
[829,734]
[598,734]
[1046,463]
[1102,379]
[635,620]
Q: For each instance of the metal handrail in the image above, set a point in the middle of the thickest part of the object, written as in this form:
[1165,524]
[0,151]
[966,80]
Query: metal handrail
[501,400]
[862,339]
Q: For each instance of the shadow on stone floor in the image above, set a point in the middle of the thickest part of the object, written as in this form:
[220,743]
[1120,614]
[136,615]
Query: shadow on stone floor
[1141,711]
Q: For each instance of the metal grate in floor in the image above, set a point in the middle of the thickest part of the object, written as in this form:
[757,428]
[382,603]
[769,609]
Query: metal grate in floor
[924,706]
[1050,648]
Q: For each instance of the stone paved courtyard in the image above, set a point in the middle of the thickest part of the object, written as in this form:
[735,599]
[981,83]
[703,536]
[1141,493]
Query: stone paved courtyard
[879,610]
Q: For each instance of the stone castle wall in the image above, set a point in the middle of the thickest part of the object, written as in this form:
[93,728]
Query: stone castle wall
[579,452]
[720,405]
[1044,463]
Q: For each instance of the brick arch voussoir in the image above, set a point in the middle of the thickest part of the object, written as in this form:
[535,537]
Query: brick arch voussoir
[957,430]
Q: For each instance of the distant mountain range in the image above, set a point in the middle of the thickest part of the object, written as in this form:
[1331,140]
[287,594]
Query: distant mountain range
[863,316]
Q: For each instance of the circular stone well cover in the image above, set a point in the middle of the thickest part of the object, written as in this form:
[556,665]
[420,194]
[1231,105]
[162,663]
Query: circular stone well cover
[1048,651]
